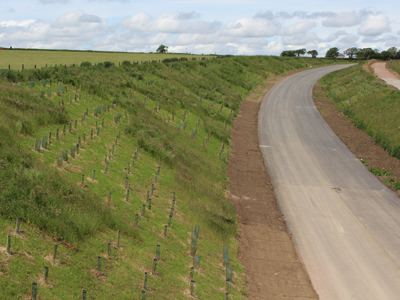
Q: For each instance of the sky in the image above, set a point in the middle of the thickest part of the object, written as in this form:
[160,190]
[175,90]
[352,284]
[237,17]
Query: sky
[246,27]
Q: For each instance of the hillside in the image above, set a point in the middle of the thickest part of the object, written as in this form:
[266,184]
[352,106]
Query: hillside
[117,165]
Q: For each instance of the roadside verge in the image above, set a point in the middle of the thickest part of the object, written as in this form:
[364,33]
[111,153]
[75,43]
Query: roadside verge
[265,248]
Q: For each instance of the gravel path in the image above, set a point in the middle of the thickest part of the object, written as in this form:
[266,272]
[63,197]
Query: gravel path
[382,72]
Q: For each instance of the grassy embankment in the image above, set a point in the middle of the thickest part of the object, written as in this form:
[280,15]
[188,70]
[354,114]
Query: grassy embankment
[395,65]
[41,58]
[160,106]
[371,107]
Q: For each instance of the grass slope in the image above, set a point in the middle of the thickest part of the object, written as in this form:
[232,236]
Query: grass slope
[395,65]
[180,114]
[371,106]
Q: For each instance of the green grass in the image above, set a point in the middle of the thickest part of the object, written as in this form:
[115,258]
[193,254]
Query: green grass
[379,172]
[41,58]
[153,100]
[395,65]
[370,105]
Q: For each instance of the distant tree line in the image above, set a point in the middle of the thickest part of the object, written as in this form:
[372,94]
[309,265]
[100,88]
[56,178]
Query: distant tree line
[298,52]
[365,53]
[352,53]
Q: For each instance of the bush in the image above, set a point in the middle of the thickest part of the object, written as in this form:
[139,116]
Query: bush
[86,64]
[108,64]
[168,60]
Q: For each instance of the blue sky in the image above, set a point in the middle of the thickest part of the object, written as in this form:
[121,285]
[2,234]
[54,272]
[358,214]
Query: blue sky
[221,26]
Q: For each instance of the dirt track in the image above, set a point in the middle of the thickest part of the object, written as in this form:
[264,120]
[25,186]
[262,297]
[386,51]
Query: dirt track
[266,249]
[381,70]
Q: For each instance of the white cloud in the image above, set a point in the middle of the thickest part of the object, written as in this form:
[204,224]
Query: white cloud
[347,41]
[298,28]
[374,25]
[335,35]
[169,23]
[246,27]
[387,40]
[345,19]
[269,15]
[266,32]
[89,19]
[69,31]
[188,16]
[300,39]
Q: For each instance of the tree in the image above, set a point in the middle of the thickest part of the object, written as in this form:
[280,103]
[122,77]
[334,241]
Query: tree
[300,52]
[313,53]
[289,53]
[385,55]
[162,49]
[351,52]
[366,53]
[392,51]
[333,52]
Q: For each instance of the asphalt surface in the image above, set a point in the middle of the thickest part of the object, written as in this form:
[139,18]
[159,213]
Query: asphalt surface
[345,223]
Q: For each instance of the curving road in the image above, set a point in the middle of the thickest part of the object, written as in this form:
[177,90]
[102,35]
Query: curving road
[345,223]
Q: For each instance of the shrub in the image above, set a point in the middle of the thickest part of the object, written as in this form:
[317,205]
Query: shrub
[86,64]
[108,64]
[168,60]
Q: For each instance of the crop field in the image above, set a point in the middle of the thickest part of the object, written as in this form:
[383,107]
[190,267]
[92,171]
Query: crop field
[112,178]
[29,58]
[371,106]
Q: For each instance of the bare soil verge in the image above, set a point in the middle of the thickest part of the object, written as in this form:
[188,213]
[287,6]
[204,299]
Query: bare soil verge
[266,249]
[359,143]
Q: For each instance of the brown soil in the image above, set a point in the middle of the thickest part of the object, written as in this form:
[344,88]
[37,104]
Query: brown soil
[266,249]
[359,143]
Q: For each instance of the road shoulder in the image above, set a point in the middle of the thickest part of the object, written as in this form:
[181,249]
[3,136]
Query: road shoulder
[266,249]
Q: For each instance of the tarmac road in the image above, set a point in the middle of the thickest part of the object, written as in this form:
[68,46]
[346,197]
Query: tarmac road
[345,223]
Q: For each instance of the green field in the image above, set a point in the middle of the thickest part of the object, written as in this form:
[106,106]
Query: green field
[371,106]
[180,114]
[41,58]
